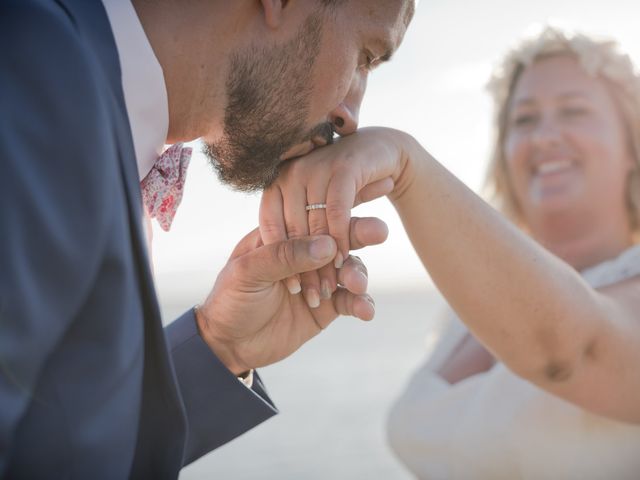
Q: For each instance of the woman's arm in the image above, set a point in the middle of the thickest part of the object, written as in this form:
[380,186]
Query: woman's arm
[529,308]
[532,310]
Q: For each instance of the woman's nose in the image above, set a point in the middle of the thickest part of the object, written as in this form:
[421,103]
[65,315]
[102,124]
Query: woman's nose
[546,133]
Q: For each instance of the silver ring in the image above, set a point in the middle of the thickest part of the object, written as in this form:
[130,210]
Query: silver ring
[315,206]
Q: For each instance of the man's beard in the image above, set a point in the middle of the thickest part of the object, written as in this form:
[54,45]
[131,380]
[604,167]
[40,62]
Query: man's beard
[268,91]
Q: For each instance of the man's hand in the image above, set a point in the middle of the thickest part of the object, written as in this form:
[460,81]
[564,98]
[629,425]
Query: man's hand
[250,319]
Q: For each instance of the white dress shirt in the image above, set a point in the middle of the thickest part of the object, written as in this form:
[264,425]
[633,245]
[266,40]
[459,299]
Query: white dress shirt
[145,96]
[145,93]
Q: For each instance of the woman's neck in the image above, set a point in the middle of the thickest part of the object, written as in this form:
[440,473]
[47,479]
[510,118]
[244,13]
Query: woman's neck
[583,241]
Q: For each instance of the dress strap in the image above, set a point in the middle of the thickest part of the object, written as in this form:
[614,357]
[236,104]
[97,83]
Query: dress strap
[624,266]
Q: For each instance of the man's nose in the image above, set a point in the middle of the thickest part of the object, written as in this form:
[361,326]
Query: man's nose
[344,119]
[345,116]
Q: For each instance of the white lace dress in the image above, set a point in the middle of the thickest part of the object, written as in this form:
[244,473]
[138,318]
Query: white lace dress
[495,425]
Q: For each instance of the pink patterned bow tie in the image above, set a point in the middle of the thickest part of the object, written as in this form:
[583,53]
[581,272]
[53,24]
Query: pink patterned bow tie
[162,187]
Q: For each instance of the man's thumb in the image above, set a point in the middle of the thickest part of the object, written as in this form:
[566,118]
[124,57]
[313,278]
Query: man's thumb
[275,262]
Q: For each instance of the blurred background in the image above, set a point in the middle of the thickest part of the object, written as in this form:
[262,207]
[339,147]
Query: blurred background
[334,393]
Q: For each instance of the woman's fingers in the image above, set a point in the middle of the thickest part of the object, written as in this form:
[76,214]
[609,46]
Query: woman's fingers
[340,198]
[367,231]
[273,227]
[374,190]
[296,220]
[327,274]
[320,284]
[317,222]
[271,216]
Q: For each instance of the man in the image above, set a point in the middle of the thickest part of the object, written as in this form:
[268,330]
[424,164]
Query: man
[90,384]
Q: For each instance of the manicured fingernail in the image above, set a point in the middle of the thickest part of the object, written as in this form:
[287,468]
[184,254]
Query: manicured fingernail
[293,285]
[321,248]
[363,276]
[325,289]
[370,300]
[339,260]
[312,298]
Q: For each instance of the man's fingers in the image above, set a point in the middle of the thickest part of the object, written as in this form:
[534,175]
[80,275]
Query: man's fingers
[343,302]
[354,276]
[249,242]
[275,262]
[360,306]
[367,231]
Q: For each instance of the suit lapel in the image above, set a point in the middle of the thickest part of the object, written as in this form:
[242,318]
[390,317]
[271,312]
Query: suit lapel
[161,404]
[95,27]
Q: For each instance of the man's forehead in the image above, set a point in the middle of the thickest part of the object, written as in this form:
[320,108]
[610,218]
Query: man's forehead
[386,21]
[384,11]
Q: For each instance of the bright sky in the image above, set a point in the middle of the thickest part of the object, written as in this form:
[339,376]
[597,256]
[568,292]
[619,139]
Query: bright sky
[433,89]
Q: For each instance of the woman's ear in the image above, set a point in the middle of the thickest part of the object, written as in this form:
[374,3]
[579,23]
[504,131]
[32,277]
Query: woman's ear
[273,12]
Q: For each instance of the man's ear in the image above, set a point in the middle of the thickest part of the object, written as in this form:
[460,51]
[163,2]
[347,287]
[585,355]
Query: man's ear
[273,12]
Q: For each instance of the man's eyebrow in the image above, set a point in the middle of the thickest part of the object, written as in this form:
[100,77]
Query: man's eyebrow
[385,46]
[387,56]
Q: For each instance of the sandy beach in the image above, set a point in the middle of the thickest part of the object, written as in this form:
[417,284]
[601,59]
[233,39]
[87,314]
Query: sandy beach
[333,395]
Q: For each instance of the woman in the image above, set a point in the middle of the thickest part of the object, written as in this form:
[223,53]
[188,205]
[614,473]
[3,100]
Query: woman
[542,377]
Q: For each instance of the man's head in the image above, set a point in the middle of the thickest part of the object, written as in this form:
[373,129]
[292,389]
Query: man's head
[272,79]
[268,89]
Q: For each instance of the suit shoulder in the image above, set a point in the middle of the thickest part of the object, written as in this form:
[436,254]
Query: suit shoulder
[55,121]
[17,14]
[48,71]
[40,33]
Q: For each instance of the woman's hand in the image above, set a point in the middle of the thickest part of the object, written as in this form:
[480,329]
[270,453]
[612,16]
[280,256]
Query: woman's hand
[356,169]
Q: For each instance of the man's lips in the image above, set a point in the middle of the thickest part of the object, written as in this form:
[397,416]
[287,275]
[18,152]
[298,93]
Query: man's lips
[304,148]
[297,150]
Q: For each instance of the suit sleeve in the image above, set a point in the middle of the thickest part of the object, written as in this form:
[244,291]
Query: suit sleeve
[218,406]
[52,191]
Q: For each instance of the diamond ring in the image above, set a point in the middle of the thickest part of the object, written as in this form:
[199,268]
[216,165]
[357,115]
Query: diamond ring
[315,206]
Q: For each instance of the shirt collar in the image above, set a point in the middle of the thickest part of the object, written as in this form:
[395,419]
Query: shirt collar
[145,93]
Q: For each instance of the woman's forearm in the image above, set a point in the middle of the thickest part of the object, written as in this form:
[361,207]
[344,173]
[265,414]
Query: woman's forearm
[531,309]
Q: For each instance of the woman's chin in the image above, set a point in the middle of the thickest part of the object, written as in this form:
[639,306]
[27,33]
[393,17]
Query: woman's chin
[554,197]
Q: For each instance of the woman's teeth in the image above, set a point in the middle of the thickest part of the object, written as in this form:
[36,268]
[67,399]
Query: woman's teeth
[552,167]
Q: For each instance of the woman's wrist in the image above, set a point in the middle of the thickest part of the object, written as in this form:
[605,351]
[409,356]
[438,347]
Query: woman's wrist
[410,154]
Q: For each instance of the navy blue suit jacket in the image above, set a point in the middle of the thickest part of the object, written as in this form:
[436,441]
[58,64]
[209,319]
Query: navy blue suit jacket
[91,386]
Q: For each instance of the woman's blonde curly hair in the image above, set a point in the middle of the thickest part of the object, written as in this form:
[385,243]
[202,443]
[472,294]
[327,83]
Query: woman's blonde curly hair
[601,58]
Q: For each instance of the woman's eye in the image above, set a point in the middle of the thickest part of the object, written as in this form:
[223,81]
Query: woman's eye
[524,120]
[574,112]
